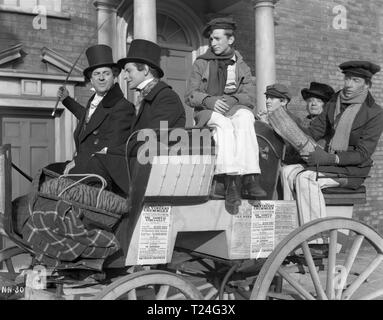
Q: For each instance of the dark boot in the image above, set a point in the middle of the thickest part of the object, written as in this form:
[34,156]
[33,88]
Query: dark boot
[251,187]
[232,195]
[218,190]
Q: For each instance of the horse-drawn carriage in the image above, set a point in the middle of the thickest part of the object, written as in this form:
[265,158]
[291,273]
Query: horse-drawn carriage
[181,243]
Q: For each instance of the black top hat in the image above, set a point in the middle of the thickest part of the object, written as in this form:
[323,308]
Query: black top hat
[362,69]
[279,91]
[99,56]
[143,51]
[226,23]
[318,90]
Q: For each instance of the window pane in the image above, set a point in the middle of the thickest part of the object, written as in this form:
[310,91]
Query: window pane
[28,4]
[12,3]
[51,5]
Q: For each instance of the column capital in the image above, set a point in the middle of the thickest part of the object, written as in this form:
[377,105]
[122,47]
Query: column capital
[107,4]
[262,3]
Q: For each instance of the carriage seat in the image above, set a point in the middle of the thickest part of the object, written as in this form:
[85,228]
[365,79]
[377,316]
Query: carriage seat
[183,175]
[344,196]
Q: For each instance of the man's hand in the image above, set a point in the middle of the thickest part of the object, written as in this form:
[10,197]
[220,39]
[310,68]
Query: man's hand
[320,157]
[221,106]
[216,104]
[62,93]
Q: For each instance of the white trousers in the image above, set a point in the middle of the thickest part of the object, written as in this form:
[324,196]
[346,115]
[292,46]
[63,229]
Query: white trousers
[302,186]
[237,143]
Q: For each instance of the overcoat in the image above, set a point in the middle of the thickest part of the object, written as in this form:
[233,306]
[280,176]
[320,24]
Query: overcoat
[109,125]
[161,104]
[364,137]
[197,85]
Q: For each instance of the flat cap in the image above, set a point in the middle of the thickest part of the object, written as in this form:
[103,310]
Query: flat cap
[279,91]
[359,68]
[219,23]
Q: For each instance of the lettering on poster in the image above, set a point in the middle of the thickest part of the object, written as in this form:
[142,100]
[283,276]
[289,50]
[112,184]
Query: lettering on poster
[154,235]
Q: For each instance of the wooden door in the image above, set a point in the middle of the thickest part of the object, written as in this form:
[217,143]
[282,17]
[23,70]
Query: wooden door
[177,66]
[32,142]
[32,147]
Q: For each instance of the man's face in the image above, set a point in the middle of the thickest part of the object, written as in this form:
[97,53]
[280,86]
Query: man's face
[273,103]
[353,84]
[314,106]
[102,79]
[133,76]
[219,42]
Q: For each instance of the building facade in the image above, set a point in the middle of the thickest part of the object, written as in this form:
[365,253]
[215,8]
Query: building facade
[290,41]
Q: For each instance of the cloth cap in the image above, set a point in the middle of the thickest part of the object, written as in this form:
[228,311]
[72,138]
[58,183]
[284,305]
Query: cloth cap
[278,90]
[318,90]
[362,69]
[219,23]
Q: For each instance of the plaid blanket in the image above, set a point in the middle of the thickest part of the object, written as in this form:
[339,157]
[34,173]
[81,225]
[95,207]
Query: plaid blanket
[57,235]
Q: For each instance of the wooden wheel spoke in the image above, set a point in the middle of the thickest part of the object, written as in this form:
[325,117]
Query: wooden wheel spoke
[362,277]
[132,294]
[350,259]
[331,264]
[163,292]
[212,292]
[313,272]
[294,283]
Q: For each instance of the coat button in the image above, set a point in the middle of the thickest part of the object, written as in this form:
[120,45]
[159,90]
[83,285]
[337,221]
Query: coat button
[96,141]
[95,132]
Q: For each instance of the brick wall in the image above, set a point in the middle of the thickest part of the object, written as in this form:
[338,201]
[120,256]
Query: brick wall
[309,48]
[66,37]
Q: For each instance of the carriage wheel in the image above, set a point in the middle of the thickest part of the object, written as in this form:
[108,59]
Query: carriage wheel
[153,284]
[342,278]
[6,256]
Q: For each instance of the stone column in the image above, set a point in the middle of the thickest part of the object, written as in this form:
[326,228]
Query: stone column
[264,49]
[145,21]
[106,22]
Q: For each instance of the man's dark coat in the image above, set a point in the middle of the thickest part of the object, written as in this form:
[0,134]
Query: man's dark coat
[161,104]
[364,137]
[109,125]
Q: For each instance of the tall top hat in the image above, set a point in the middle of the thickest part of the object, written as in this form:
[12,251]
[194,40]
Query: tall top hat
[318,90]
[143,51]
[361,69]
[99,56]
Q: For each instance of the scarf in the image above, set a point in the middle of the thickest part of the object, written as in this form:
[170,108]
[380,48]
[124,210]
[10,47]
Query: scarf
[217,71]
[343,119]
[144,92]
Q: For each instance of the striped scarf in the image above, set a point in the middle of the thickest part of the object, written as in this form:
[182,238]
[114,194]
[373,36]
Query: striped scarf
[343,120]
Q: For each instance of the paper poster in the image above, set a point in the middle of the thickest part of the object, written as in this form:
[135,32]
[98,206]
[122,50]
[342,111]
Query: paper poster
[154,235]
[262,229]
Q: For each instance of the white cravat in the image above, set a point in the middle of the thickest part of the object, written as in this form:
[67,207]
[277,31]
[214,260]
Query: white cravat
[93,105]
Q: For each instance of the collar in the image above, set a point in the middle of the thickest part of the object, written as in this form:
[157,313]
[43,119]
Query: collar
[143,84]
[112,96]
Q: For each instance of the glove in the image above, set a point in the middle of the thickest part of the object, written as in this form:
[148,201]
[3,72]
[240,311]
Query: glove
[209,102]
[320,157]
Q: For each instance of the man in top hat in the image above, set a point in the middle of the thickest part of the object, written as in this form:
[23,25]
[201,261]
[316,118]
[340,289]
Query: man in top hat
[316,97]
[156,103]
[106,121]
[221,91]
[351,125]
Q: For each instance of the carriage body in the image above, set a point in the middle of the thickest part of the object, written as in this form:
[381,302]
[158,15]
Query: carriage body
[172,209]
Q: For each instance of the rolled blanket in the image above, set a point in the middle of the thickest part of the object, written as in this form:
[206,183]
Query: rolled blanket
[287,128]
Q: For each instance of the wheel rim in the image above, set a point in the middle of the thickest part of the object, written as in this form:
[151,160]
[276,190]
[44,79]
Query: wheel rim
[341,285]
[6,256]
[163,285]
